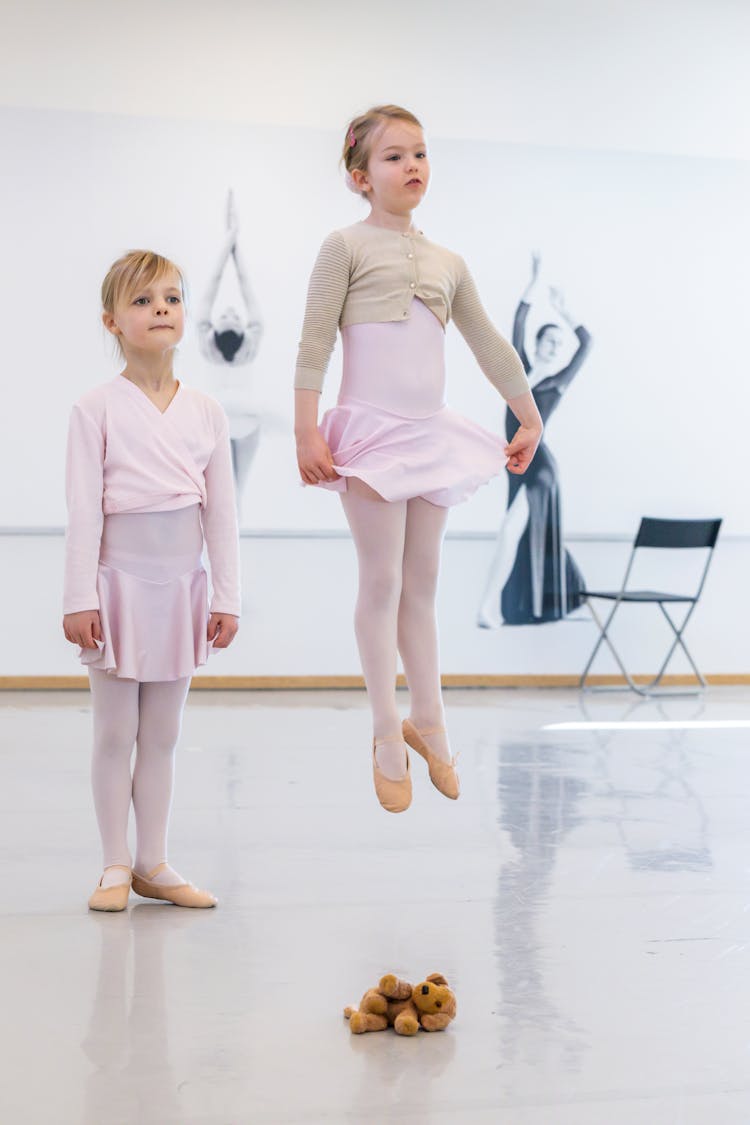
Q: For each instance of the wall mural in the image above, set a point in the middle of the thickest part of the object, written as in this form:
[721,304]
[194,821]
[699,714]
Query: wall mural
[533,577]
[229,338]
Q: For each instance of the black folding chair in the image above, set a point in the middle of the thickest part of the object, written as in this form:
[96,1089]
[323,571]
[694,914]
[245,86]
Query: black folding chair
[670,534]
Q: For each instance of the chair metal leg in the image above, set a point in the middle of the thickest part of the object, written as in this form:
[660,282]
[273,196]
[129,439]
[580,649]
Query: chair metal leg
[651,688]
[604,639]
[679,642]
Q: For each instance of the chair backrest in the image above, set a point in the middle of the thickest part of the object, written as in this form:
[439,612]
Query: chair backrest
[677,533]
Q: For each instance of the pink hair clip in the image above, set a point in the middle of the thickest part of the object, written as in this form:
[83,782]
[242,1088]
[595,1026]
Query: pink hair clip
[351,138]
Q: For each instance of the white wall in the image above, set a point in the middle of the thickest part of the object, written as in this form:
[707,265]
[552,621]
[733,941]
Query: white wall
[298,601]
[666,76]
[662,78]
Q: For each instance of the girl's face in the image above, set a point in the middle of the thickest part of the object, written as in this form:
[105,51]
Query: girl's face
[151,319]
[398,170]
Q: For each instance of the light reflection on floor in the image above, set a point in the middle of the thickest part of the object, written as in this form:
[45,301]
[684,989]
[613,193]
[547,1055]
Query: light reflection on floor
[587,898]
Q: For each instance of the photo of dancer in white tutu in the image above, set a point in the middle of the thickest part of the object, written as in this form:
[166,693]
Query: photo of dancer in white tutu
[229,339]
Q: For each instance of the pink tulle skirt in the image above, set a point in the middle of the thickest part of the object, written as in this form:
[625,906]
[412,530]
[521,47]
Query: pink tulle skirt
[153,596]
[391,427]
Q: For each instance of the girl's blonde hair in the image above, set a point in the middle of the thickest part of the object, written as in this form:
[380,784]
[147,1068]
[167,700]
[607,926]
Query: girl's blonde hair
[131,272]
[361,130]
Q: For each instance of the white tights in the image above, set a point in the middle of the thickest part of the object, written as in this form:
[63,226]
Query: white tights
[148,716]
[398,549]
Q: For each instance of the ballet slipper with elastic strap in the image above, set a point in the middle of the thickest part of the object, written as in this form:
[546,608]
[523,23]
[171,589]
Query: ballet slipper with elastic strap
[111,898]
[442,774]
[394,796]
[181,894]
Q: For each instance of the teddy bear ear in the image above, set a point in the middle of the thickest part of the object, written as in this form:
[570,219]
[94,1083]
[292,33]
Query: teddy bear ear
[437,978]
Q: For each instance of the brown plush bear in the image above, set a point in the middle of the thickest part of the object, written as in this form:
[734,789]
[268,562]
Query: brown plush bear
[395,1003]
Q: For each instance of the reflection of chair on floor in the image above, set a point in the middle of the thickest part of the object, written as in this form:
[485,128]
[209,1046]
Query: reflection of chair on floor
[658,534]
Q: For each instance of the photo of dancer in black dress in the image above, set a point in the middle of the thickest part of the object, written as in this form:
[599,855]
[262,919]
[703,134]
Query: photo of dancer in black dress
[532,577]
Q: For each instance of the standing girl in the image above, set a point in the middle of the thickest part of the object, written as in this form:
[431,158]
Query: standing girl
[149,478]
[398,455]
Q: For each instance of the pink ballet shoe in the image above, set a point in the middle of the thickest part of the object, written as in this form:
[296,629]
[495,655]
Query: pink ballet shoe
[442,774]
[181,894]
[394,796]
[111,898]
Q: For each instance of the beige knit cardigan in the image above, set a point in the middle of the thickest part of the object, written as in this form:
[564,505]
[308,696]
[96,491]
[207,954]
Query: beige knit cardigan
[366,274]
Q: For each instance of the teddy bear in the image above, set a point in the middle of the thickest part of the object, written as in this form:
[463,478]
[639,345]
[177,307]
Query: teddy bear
[395,1003]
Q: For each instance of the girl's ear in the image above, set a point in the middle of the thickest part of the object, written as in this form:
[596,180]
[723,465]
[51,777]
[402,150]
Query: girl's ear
[109,323]
[360,180]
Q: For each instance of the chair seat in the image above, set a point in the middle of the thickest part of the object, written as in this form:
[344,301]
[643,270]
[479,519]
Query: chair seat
[637,596]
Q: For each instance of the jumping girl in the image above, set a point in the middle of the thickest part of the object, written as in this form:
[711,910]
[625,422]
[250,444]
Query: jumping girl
[399,456]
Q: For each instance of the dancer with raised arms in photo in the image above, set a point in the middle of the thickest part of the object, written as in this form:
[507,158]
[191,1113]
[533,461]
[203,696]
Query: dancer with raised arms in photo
[229,338]
[533,577]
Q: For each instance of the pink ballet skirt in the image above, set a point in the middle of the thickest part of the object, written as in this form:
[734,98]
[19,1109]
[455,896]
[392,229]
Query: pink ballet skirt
[391,427]
[153,596]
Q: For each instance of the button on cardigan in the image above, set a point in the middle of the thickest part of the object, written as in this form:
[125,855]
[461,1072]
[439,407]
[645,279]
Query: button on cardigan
[366,274]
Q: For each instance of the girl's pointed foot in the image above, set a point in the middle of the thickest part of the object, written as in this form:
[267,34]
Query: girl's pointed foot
[443,774]
[394,794]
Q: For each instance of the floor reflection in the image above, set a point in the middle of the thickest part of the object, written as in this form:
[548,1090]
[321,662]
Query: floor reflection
[388,1063]
[646,780]
[127,1038]
[626,791]
[663,825]
[539,803]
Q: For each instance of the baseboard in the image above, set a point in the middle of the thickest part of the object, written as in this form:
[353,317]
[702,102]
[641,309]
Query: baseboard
[327,683]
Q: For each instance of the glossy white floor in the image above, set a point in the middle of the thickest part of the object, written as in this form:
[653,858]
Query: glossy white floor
[587,898]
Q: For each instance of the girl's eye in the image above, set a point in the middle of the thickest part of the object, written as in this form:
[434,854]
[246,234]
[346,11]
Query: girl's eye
[173,300]
[421,155]
[141,301]
[394,157]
